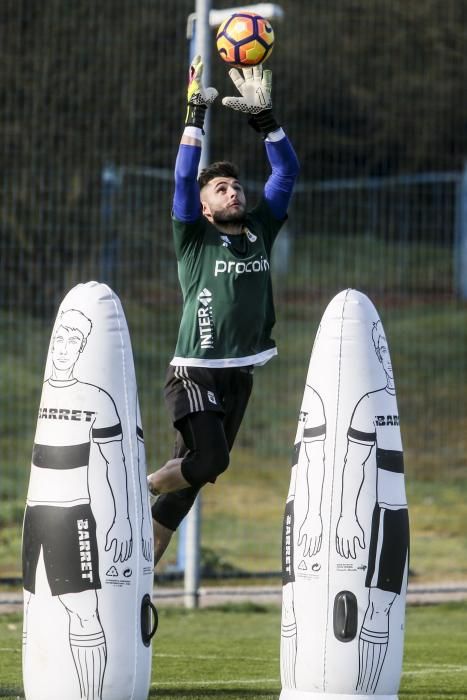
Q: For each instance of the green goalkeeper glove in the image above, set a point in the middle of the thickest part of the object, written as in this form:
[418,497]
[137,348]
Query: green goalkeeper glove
[198,97]
[255,87]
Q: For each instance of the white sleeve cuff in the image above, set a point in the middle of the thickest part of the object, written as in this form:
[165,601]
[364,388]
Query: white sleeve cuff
[194,132]
[277,135]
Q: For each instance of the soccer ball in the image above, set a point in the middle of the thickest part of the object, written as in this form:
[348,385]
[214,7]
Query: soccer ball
[244,39]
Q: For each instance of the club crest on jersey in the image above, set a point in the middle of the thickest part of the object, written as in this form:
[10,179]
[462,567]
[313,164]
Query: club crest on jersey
[205,297]
[251,236]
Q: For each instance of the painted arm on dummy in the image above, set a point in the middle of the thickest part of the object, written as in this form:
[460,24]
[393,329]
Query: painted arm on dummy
[349,532]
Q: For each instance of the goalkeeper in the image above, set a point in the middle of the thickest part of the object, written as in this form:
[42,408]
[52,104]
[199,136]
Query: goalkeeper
[223,252]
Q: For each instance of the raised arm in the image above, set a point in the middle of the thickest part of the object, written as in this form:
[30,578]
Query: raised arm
[285,167]
[255,86]
[186,204]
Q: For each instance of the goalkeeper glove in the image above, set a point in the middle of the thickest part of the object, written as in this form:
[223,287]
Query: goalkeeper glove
[198,97]
[255,88]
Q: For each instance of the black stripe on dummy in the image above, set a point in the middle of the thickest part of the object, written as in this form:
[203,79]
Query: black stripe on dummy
[61,457]
[102,433]
[391,460]
[360,436]
[318,431]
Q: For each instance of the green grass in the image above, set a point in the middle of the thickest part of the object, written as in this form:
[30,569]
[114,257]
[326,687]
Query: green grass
[232,652]
[242,513]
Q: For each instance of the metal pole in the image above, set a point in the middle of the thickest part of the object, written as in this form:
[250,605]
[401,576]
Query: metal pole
[111,180]
[192,555]
[199,44]
[202,47]
[460,248]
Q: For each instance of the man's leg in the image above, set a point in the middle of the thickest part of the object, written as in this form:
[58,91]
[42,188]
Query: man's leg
[162,537]
[203,446]
[202,454]
[168,478]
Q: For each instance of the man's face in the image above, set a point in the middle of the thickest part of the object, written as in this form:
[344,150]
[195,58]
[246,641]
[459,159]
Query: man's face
[66,347]
[223,201]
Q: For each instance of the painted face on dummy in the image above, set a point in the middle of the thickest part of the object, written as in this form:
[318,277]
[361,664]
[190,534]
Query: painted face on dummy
[223,201]
[67,345]
[385,358]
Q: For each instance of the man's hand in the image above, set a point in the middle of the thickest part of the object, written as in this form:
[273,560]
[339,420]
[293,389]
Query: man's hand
[197,94]
[255,89]
[198,97]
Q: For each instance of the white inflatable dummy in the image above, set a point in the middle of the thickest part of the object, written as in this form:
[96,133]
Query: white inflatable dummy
[346,531]
[87,535]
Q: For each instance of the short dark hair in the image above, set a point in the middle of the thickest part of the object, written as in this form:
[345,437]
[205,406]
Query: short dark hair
[222,168]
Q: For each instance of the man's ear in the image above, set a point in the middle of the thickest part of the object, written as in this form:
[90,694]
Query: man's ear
[206,209]
[83,344]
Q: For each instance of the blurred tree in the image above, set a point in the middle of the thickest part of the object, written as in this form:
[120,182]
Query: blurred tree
[379,86]
[363,87]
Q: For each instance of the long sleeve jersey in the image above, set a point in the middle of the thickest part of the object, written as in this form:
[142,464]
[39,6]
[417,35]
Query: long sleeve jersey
[228,309]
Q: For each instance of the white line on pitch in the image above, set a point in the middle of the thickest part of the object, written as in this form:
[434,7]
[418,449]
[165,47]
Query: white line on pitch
[423,670]
[202,684]
[209,657]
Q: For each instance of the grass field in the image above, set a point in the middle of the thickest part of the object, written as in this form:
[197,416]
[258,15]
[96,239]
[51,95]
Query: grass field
[232,652]
[242,513]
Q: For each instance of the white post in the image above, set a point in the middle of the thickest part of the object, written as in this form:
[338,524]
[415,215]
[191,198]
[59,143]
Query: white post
[192,556]
[199,44]
[460,249]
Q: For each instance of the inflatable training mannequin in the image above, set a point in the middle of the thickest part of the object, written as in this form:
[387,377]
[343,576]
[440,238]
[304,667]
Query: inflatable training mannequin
[346,530]
[87,534]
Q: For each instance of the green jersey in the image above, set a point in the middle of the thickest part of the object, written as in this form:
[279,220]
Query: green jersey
[228,308]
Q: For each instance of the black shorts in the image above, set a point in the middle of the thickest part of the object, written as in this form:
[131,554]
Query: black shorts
[389,549]
[192,395]
[67,537]
[225,390]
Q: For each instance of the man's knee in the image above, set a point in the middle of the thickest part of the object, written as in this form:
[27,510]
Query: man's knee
[207,449]
[217,465]
[202,466]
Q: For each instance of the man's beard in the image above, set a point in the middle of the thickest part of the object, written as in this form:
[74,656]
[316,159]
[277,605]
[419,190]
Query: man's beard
[235,217]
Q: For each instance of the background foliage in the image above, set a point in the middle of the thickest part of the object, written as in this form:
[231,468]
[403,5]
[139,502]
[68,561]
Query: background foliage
[370,92]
